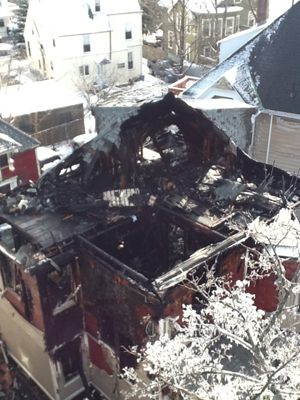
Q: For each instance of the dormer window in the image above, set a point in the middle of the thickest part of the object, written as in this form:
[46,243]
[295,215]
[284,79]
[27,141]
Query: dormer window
[97,6]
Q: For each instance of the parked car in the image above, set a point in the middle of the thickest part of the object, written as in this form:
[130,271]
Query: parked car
[165,68]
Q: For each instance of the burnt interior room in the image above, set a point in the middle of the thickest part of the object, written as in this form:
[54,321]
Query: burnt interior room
[151,243]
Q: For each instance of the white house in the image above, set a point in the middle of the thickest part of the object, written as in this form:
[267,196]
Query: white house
[5,15]
[85,42]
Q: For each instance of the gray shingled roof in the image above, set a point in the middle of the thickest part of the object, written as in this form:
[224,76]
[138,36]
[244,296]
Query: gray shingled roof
[25,141]
[268,67]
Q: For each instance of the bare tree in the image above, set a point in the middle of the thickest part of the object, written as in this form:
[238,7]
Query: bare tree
[227,348]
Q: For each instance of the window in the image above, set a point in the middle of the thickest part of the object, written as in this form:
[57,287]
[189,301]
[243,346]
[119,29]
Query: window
[62,293]
[84,70]
[40,64]
[97,6]
[3,161]
[69,360]
[53,42]
[86,43]
[51,64]
[29,50]
[237,27]
[121,65]
[251,19]
[206,27]
[128,31]
[130,60]
[1,23]
[229,30]
[170,39]
[237,1]
[206,51]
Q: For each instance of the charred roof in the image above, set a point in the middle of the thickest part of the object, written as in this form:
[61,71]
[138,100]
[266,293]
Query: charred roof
[155,196]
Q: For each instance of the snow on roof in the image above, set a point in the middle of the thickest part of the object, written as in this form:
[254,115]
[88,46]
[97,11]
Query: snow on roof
[8,144]
[235,69]
[120,6]
[216,104]
[283,233]
[71,17]
[254,30]
[201,6]
[35,96]
[16,137]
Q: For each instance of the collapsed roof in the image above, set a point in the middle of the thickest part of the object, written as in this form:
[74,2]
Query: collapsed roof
[158,193]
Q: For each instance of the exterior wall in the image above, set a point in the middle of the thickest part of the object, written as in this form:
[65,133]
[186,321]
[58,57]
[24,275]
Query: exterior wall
[236,122]
[21,326]
[25,168]
[229,45]
[61,55]
[276,140]
[195,37]
[53,126]
[117,312]
[25,344]
[134,45]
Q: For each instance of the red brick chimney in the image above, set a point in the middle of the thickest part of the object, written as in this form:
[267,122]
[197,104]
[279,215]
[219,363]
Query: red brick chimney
[262,11]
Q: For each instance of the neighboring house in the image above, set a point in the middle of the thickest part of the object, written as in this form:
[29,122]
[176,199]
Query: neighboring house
[44,110]
[5,16]
[193,28]
[263,72]
[99,46]
[97,261]
[247,16]
[18,162]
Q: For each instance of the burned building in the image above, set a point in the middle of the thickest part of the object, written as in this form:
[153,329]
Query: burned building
[93,255]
